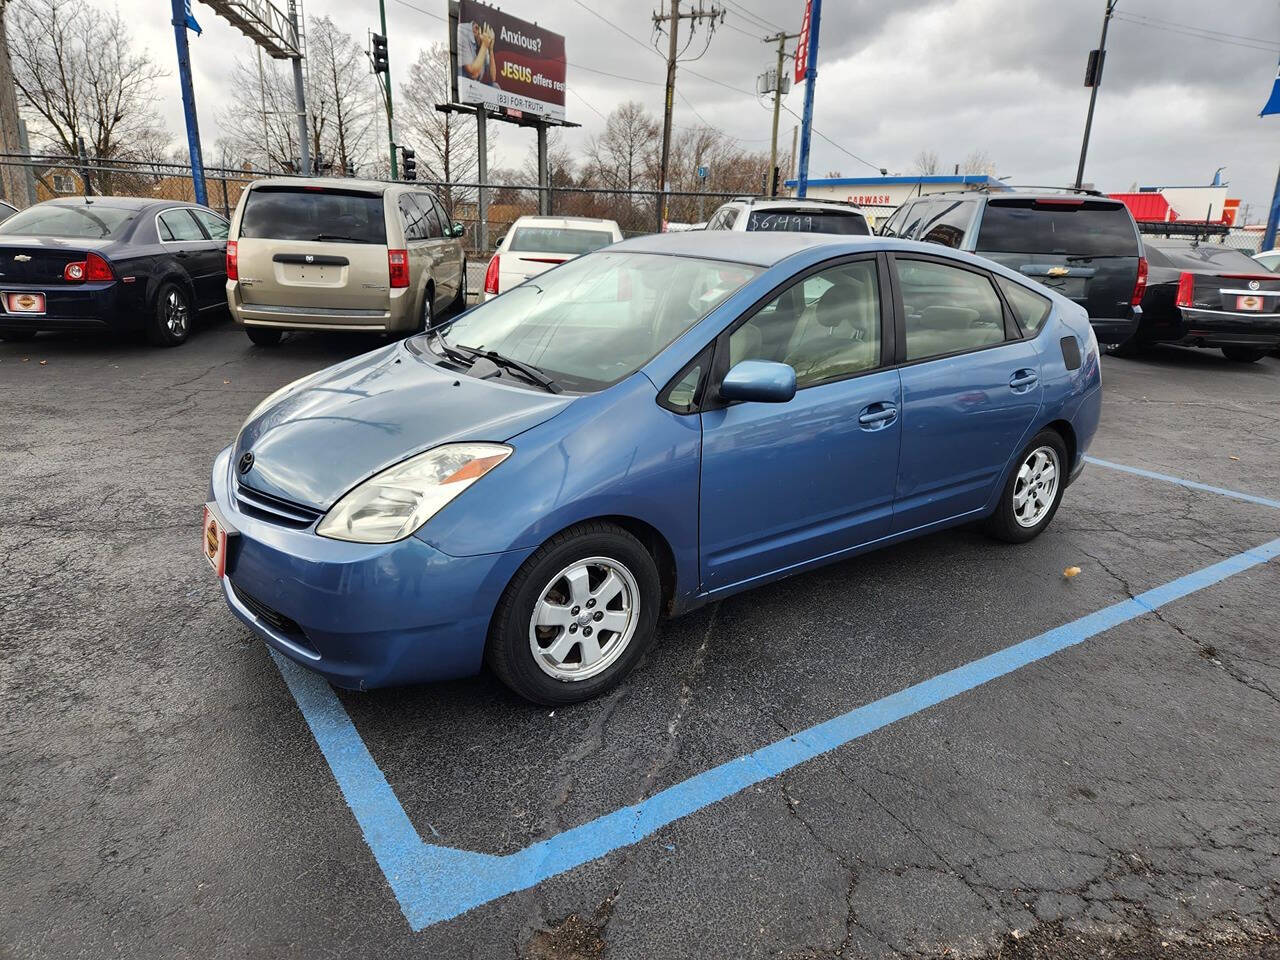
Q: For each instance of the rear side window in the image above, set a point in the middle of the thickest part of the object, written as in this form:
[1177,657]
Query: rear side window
[558,240]
[1030,308]
[800,220]
[179,225]
[947,223]
[947,309]
[1070,226]
[92,221]
[297,213]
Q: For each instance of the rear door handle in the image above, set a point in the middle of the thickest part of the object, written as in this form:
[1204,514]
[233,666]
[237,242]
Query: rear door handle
[877,416]
[1023,380]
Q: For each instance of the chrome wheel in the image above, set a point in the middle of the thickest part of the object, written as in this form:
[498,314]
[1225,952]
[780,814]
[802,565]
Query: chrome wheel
[427,318]
[177,316]
[584,619]
[1036,486]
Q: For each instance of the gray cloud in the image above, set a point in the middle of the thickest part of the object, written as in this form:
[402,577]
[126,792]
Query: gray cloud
[1004,76]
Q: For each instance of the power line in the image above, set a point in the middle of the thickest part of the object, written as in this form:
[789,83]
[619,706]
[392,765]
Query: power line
[1245,42]
[753,36]
[1186,26]
[844,150]
[748,12]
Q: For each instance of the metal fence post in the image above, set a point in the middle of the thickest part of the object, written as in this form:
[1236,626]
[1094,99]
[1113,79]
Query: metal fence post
[226,206]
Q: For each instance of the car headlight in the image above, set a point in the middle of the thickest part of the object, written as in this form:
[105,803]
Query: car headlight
[280,394]
[392,504]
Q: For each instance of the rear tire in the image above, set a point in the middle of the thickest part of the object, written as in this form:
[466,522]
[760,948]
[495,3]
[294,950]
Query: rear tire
[428,318]
[172,316]
[1243,354]
[265,336]
[1031,496]
[460,301]
[17,336]
[587,601]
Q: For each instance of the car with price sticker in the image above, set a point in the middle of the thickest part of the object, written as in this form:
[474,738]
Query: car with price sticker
[789,215]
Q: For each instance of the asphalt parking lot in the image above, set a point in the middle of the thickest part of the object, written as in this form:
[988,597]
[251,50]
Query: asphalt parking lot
[165,795]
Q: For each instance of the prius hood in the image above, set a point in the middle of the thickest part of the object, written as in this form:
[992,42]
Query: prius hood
[349,422]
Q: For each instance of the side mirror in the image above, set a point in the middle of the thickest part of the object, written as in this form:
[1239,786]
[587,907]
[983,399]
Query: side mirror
[760,380]
[497,243]
[458,230]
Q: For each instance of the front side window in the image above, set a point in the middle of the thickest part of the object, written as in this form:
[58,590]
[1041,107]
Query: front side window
[825,327]
[893,226]
[947,309]
[918,214]
[1029,307]
[599,318]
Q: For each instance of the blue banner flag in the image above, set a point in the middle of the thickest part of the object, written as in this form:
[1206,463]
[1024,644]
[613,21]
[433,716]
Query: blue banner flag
[1273,102]
[192,25]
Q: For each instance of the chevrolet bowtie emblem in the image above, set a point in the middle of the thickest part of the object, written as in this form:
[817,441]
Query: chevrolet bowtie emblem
[21,258]
[1059,271]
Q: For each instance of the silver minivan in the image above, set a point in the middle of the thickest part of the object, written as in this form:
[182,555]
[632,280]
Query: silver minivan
[332,254]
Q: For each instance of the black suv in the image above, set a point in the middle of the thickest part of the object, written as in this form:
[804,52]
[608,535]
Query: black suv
[1080,244]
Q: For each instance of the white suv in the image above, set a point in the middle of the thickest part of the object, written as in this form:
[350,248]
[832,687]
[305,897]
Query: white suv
[536,244]
[790,215]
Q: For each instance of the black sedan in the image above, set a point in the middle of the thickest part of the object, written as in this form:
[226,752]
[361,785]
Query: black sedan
[111,263]
[1207,295]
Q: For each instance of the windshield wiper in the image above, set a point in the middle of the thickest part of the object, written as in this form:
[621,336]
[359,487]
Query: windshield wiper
[457,356]
[530,372]
[338,238]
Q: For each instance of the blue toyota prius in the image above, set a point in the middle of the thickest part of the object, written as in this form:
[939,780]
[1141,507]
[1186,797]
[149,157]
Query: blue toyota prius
[642,430]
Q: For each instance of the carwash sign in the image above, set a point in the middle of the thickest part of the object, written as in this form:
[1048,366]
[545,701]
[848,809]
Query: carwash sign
[503,61]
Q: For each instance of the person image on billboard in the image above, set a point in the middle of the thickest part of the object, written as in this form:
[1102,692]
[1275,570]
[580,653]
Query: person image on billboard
[475,52]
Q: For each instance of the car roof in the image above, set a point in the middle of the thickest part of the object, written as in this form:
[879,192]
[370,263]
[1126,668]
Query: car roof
[763,249]
[334,183]
[1048,193]
[553,221]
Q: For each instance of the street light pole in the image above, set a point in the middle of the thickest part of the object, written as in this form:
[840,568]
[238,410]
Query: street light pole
[1094,79]
[386,79]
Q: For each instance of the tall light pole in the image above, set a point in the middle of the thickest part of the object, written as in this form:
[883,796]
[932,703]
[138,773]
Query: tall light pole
[1093,80]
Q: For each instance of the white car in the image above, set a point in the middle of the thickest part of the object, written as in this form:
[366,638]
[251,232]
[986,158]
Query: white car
[789,215]
[1269,259]
[536,244]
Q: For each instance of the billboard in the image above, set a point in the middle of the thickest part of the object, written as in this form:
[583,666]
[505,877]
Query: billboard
[503,61]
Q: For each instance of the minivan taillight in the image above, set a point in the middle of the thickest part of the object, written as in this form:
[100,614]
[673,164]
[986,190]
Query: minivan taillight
[233,261]
[491,276]
[1186,288]
[92,267]
[398,268]
[1140,287]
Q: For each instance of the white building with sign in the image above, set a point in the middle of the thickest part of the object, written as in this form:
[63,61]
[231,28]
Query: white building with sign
[880,196]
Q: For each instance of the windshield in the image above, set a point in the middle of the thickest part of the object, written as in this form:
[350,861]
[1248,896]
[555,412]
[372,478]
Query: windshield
[1081,228]
[601,317]
[777,220]
[92,221]
[558,240]
[313,213]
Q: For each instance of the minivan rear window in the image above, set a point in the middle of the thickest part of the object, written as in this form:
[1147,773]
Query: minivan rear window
[308,213]
[776,220]
[1067,226]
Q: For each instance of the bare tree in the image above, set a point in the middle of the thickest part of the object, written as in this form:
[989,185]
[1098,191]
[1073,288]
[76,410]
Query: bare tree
[260,128]
[78,75]
[979,161]
[11,177]
[445,143]
[346,100]
[926,163]
[625,155]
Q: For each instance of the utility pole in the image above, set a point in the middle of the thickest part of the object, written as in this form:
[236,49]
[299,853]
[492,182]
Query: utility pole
[188,103]
[781,39]
[674,18]
[1093,80]
[810,32]
[386,80]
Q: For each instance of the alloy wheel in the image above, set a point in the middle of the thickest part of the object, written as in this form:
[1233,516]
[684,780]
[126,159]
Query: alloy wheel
[176,314]
[584,619]
[1036,486]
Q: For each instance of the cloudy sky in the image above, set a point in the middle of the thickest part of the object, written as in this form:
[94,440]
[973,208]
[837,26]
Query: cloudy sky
[1181,94]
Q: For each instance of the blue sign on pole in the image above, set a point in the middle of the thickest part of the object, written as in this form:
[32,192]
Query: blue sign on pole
[704,172]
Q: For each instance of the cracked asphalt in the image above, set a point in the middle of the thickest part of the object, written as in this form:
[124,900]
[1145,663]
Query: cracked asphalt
[163,797]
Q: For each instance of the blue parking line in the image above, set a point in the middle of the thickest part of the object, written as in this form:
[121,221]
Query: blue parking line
[1194,485]
[434,883]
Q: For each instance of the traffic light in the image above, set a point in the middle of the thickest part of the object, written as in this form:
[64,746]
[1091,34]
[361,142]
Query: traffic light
[408,165]
[380,64]
[350,169]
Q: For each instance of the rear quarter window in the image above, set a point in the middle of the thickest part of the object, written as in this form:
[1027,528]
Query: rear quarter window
[1067,226]
[1029,307]
[329,216]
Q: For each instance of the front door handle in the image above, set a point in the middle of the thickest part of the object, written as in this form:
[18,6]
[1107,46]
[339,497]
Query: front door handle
[877,416]
[1023,380]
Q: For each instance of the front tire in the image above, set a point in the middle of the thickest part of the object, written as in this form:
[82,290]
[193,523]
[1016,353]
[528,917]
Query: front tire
[1031,497]
[172,316]
[577,616]
[265,336]
[1243,354]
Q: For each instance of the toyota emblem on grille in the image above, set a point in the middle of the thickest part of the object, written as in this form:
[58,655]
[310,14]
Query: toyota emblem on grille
[1254,284]
[246,462]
